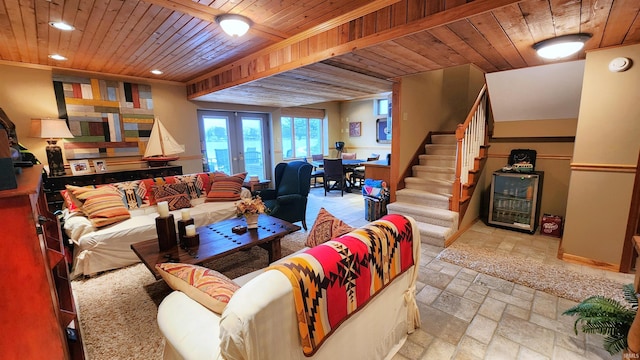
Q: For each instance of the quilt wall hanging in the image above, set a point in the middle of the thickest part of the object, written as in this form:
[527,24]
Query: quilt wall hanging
[107,118]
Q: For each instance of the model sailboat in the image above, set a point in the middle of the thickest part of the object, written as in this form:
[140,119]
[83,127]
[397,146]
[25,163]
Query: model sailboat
[162,147]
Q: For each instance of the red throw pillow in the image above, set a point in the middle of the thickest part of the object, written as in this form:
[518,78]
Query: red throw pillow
[226,187]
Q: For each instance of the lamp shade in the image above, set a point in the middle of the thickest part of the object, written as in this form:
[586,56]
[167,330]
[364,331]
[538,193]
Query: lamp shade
[234,25]
[561,46]
[50,129]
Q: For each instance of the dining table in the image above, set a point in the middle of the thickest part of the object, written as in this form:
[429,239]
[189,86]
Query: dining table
[347,166]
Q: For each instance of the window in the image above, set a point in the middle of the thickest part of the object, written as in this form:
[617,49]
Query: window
[301,136]
[382,107]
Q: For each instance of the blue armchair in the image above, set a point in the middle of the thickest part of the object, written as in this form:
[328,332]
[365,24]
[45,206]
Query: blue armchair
[288,201]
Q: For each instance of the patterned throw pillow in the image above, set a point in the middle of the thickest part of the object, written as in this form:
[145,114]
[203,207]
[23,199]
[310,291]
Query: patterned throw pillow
[103,205]
[130,193]
[325,228]
[226,187]
[175,194]
[146,188]
[208,287]
[194,185]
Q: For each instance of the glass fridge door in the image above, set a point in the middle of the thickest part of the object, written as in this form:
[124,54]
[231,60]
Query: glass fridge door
[513,200]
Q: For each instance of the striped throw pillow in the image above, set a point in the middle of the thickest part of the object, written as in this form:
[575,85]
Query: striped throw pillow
[208,287]
[103,205]
[226,187]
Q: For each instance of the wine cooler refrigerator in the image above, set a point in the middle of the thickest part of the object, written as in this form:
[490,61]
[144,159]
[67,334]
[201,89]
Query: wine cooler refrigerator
[515,200]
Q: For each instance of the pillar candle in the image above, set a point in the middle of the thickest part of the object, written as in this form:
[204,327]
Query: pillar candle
[186,214]
[191,230]
[163,208]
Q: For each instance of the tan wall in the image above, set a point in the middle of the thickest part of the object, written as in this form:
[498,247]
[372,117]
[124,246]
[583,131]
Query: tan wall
[430,101]
[27,92]
[361,111]
[607,134]
[552,158]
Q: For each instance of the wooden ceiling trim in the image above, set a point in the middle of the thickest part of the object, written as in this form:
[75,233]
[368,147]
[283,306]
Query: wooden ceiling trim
[511,17]
[138,42]
[470,35]
[43,34]
[113,45]
[401,53]
[490,28]
[17,28]
[447,36]
[209,14]
[373,6]
[625,12]
[113,10]
[196,88]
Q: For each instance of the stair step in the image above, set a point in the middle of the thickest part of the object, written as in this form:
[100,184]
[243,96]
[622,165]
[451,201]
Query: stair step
[433,234]
[440,149]
[434,172]
[443,139]
[438,160]
[437,186]
[425,214]
[424,198]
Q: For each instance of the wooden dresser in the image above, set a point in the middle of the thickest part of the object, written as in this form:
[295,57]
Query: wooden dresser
[53,184]
[36,303]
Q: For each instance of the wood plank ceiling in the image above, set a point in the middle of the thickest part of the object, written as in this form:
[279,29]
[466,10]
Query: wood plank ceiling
[301,52]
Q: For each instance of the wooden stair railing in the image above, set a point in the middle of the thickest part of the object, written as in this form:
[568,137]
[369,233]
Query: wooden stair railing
[471,140]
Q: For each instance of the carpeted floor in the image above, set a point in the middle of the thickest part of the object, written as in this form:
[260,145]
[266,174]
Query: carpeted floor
[121,305]
[550,278]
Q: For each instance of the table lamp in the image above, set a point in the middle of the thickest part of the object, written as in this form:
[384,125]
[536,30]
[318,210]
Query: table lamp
[52,130]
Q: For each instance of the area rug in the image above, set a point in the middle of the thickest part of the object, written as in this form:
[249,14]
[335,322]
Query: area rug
[550,278]
[118,309]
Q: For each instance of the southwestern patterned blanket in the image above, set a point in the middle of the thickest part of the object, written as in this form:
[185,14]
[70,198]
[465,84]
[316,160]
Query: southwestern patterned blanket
[334,280]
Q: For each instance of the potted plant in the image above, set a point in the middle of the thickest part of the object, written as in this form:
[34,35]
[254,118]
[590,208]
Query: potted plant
[608,317]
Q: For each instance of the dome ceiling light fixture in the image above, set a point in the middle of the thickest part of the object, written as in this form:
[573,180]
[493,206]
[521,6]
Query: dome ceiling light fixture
[233,24]
[61,25]
[561,46]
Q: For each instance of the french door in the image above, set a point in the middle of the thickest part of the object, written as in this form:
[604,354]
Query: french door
[235,142]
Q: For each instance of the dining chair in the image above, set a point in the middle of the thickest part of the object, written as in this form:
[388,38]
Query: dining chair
[317,172]
[358,173]
[348,156]
[333,171]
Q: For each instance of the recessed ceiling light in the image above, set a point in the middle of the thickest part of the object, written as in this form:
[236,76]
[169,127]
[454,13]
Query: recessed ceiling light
[57,57]
[61,25]
[156,72]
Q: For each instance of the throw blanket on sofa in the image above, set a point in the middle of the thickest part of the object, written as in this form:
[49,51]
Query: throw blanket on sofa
[333,280]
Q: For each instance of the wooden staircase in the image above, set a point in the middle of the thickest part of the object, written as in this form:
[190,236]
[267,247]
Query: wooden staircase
[428,191]
[442,180]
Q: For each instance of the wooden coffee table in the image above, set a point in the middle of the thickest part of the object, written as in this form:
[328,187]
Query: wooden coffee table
[217,240]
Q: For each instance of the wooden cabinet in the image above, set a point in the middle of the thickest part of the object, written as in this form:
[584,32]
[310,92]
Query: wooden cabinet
[54,184]
[36,300]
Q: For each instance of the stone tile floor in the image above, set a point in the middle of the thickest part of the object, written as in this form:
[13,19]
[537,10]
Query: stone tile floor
[469,315]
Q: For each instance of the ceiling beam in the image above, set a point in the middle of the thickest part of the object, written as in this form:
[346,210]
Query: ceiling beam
[295,52]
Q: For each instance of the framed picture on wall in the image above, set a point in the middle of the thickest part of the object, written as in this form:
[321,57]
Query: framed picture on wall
[383,131]
[355,128]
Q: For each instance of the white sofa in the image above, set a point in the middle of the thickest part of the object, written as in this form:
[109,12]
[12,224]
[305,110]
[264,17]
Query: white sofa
[259,321]
[109,247]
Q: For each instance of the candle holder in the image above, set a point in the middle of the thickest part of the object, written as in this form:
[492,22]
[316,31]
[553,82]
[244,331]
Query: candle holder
[182,225]
[166,230]
[187,241]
